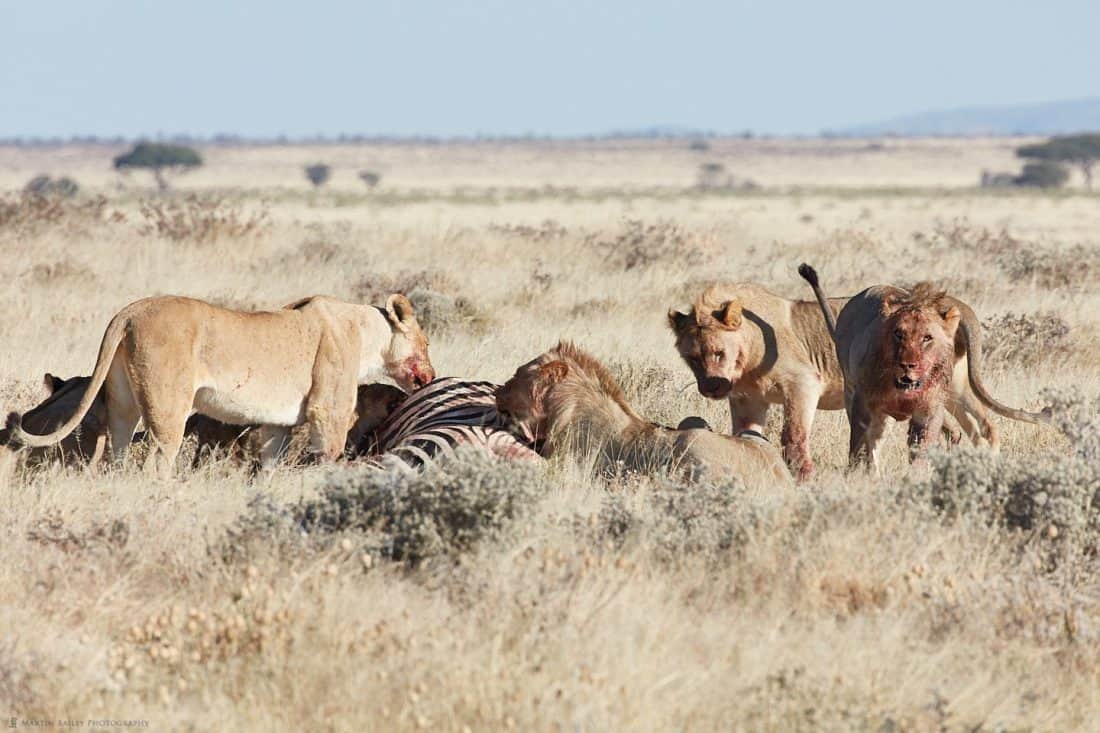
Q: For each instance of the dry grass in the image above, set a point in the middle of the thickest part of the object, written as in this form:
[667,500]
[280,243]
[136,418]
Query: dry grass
[939,600]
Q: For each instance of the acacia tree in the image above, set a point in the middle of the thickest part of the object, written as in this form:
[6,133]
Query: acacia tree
[159,159]
[318,173]
[1080,150]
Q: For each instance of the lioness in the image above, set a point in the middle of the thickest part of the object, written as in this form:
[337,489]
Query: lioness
[899,351]
[164,357]
[564,398]
[374,404]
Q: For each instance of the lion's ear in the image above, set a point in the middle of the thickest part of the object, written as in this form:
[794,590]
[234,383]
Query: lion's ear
[52,383]
[553,372]
[730,314]
[678,321]
[951,320]
[889,305]
[400,312]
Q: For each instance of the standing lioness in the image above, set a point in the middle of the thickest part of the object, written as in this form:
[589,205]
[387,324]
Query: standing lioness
[163,358]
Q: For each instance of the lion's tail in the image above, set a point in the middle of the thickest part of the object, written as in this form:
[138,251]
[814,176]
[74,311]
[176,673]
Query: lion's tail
[972,337]
[809,274]
[116,329]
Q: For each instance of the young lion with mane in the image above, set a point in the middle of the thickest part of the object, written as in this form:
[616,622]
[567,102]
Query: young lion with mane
[567,400]
[899,351]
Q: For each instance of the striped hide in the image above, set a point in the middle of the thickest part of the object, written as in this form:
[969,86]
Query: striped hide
[443,415]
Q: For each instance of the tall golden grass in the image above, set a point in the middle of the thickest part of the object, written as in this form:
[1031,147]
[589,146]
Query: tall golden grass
[844,604]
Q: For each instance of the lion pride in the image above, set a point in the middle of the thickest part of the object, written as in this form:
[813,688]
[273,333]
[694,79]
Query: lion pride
[899,351]
[163,358]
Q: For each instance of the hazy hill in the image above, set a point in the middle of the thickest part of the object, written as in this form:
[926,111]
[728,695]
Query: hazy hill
[1047,118]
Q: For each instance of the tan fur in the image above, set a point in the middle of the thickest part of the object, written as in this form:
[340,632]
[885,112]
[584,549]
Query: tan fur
[165,357]
[566,399]
[757,349]
[241,444]
[910,355]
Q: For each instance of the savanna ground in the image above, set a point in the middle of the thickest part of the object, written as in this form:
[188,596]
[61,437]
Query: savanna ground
[964,597]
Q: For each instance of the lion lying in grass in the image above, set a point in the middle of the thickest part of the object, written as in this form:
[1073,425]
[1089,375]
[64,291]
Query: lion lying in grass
[164,357]
[566,400]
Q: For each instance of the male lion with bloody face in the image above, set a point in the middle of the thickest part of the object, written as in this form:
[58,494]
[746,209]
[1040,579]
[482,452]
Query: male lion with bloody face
[899,351]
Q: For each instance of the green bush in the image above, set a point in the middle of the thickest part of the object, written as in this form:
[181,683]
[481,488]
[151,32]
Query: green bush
[318,173]
[159,159]
[1044,174]
[1054,502]
[677,521]
[1080,150]
[441,511]
[370,178]
[63,187]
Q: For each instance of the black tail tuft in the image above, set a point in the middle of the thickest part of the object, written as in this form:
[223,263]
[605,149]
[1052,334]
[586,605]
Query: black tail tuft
[808,274]
[11,425]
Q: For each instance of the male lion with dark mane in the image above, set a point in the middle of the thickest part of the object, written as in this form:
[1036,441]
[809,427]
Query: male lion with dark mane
[565,399]
[898,350]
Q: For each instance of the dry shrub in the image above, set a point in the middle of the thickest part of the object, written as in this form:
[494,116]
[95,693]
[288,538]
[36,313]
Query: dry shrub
[795,699]
[200,219]
[653,389]
[399,514]
[376,288]
[1044,265]
[1025,338]
[185,648]
[642,245]
[62,271]
[677,522]
[439,305]
[28,214]
[52,530]
[1053,501]
[410,516]
[548,230]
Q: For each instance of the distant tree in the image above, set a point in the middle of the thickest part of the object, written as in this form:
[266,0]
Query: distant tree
[159,159]
[39,185]
[1079,150]
[318,173]
[1043,174]
[63,187]
[699,146]
[370,178]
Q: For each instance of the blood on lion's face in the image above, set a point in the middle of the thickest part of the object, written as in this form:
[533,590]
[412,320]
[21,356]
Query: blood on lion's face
[918,349]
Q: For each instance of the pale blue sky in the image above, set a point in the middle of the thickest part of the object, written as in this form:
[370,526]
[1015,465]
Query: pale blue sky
[122,67]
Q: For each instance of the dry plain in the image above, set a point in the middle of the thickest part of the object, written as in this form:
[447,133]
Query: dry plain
[848,603]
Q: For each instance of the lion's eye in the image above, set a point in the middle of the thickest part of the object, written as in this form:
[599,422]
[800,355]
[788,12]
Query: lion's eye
[927,338]
[719,355]
[898,334]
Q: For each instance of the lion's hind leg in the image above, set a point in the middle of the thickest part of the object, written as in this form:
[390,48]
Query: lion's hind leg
[123,412]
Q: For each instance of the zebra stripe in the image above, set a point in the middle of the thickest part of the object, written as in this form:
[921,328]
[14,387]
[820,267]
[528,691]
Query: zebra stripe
[445,414]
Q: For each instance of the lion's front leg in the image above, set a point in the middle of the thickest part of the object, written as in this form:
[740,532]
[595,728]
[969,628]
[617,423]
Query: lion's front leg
[331,402]
[867,428]
[799,408]
[924,430]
